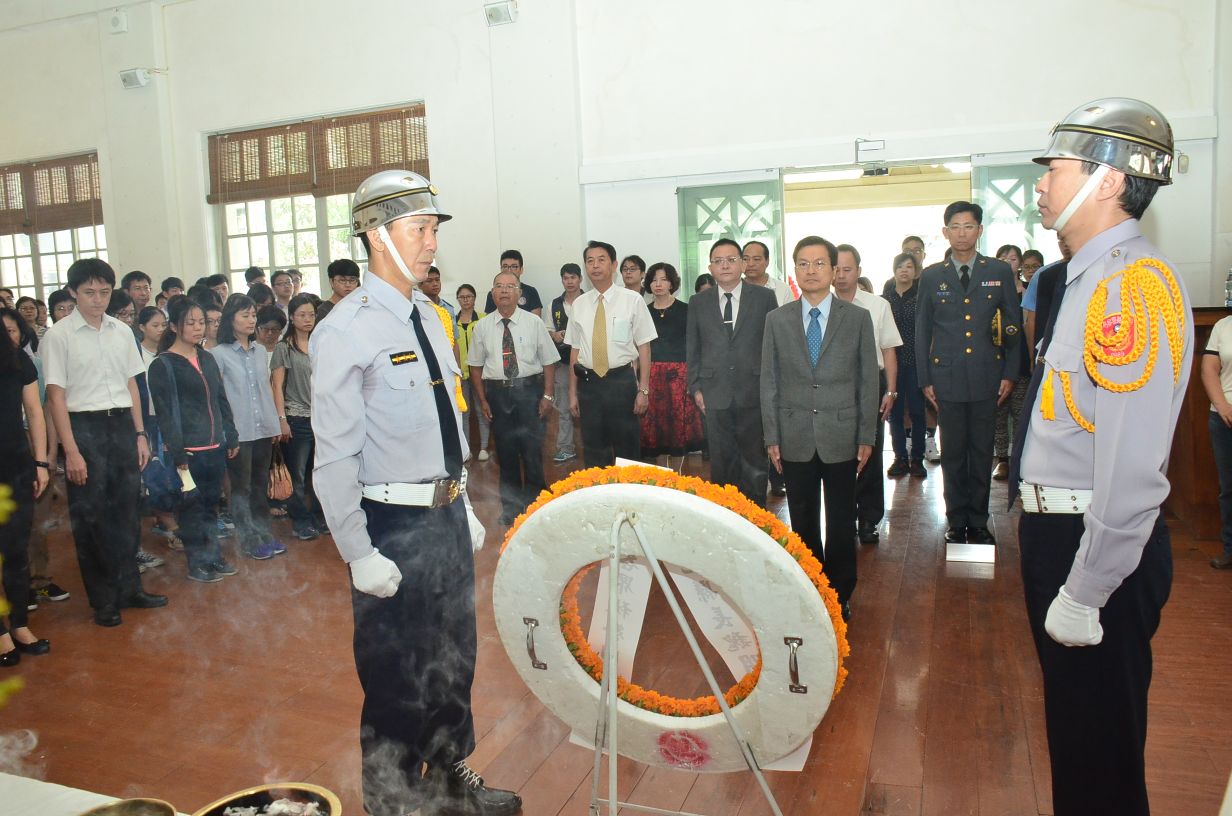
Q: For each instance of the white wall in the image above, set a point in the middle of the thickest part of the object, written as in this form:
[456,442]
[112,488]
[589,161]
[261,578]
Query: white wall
[581,119]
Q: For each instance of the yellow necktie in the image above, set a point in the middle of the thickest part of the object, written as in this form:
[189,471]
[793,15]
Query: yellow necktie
[599,341]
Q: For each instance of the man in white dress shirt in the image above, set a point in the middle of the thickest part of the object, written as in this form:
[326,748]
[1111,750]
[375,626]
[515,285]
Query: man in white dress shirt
[512,363]
[610,331]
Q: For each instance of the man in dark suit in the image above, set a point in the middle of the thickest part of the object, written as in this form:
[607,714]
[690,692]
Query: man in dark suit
[723,352]
[819,394]
[965,365]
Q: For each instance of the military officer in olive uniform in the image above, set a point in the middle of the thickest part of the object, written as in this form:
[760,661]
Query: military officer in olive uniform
[1091,455]
[390,448]
[967,319]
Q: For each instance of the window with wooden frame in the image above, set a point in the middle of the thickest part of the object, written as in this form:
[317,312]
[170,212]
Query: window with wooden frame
[283,193]
[51,214]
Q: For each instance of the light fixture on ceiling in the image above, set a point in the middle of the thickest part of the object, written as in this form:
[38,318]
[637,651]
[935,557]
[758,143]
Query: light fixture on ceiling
[817,176]
[500,13]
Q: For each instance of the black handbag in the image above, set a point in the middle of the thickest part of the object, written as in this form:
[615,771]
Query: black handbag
[162,481]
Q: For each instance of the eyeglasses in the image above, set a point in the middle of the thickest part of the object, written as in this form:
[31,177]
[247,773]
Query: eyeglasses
[729,260]
[126,314]
[350,279]
[213,321]
[819,264]
[504,286]
[963,227]
[510,267]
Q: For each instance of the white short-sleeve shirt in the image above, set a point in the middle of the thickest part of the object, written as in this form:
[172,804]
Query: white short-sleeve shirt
[1220,345]
[532,345]
[885,330]
[628,325]
[93,366]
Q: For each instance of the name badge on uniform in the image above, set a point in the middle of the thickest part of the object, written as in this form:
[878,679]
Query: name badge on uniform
[990,283]
[403,357]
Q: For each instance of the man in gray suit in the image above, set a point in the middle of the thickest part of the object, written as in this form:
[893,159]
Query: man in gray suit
[723,351]
[967,323]
[819,392]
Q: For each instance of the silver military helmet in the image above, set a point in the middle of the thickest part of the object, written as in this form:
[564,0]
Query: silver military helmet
[1125,134]
[392,194]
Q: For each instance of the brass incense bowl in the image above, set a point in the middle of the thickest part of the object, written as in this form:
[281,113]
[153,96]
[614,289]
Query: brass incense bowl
[133,807]
[262,795]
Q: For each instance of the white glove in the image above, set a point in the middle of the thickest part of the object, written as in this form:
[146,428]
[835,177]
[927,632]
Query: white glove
[472,521]
[1071,623]
[374,574]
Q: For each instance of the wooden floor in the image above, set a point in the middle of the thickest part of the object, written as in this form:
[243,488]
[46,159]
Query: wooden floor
[252,680]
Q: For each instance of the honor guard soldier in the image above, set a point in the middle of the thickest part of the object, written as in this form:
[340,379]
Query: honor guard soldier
[967,321]
[1093,452]
[390,447]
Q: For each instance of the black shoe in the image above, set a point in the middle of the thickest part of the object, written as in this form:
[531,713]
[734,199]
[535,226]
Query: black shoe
[778,491]
[956,535]
[143,600]
[223,567]
[107,616]
[203,574]
[1222,562]
[10,658]
[459,791]
[980,535]
[307,533]
[917,469]
[38,647]
[868,533]
[898,468]
[1002,471]
[846,611]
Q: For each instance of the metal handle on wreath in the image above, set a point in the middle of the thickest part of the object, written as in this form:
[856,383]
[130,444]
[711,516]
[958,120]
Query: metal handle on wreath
[535,662]
[793,666]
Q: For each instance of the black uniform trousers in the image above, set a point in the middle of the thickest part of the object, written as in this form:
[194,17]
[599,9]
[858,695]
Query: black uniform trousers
[967,430]
[870,484]
[738,450]
[805,482]
[17,471]
[103,511]
[1095,697]
[415,653]
[519,432]
[610,429]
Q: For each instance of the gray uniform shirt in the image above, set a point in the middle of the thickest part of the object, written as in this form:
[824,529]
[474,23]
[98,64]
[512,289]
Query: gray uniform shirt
[374,414]
[1125,461]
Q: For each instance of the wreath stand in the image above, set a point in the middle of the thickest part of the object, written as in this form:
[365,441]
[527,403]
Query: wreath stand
[605,725]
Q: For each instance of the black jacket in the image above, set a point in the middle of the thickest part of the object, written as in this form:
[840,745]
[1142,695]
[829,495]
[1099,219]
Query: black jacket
[205,414]
[559,321]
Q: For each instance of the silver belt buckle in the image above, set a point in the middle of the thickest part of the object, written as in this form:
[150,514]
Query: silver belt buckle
[1039,499]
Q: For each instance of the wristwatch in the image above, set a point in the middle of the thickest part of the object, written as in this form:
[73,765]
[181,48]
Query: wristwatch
[43,465]
[143,433]
[549,397]
[893,394]
[644,391]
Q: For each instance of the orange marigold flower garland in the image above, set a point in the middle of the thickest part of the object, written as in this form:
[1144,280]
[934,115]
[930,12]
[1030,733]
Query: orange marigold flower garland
[725,496]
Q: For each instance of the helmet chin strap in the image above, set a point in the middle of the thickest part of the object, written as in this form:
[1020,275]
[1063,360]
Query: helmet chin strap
[396,255]
[1082,195]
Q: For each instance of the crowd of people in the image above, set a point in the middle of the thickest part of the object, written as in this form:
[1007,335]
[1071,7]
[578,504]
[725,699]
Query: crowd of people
[216,387]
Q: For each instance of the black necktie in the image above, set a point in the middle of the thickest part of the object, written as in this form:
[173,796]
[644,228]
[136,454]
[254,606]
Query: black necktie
[965,276]
[508,356]
[1037,377]
[444,405]
[727,312]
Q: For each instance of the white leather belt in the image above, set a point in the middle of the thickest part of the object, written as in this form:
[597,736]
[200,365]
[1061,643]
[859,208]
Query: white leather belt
[426,494]
[1040,499]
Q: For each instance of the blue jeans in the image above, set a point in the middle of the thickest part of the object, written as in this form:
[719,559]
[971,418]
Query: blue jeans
[1221,444]
[299,453]
[910,402]
[197,515]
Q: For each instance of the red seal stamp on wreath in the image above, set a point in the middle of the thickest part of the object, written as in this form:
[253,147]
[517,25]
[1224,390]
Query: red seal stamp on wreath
[1110,326]
[683,750]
